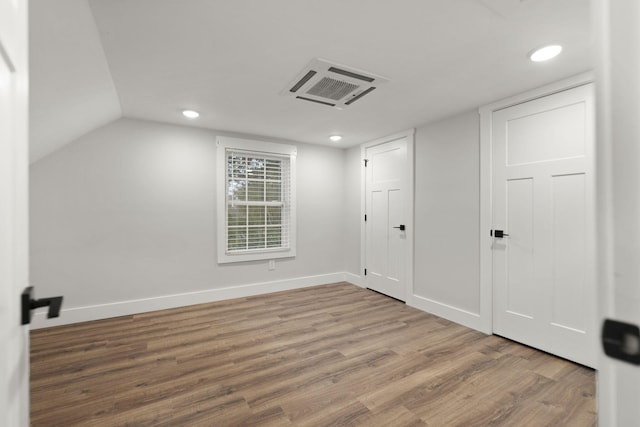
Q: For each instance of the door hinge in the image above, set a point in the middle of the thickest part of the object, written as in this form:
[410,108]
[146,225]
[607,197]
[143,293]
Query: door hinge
[365,271]
[365,217]
[365,162]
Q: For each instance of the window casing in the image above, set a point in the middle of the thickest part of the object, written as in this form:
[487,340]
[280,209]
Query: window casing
[256,200]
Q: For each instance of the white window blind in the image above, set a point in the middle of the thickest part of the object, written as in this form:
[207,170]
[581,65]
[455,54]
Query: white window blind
[258,204]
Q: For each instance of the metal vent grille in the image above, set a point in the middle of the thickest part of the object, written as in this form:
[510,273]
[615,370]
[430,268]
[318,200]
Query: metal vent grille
[363,93]
[302,81]
[332,85]
[332,88]
[316,101]
[351,74]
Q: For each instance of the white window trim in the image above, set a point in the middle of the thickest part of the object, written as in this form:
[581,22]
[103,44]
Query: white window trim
[266,148]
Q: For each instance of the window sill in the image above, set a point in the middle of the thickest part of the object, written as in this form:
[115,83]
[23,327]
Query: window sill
[226,258]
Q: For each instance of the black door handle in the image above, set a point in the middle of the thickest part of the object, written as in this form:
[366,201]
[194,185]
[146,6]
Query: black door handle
[498,234]
[401,227]
[621,341]
[29,303]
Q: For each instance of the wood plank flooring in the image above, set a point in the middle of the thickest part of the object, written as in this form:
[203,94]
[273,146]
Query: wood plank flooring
[332,355]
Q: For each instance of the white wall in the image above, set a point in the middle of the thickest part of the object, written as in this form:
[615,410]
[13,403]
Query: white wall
[127,213]
[447,211]
[71,91]
[353,166]
[123,221]
[447,197]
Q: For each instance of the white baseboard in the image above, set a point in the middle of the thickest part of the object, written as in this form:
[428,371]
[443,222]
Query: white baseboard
[124,308]
[454,314]
[354,279]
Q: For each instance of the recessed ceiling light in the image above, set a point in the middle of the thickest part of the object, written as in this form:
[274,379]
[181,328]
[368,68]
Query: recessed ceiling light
[335,138]
[545,53]
[190,114]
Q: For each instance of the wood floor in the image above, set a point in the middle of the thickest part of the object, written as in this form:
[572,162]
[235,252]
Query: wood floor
[333,355]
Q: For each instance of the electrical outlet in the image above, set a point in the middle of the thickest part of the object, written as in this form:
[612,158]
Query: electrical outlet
[272,264]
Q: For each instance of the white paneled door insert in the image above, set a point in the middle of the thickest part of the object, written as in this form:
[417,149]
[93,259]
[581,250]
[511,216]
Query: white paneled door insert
[543,206]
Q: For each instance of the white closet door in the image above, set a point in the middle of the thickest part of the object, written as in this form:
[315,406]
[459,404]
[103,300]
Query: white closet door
[543,200]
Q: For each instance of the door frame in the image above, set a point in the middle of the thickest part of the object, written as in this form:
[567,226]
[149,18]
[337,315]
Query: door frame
[409,136]
[486,174]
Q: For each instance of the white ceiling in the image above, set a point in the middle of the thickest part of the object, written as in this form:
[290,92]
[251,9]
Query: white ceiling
[71,88]
[230,60]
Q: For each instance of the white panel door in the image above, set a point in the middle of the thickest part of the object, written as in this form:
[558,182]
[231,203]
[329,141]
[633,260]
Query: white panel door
[14,351]
[543,200]
[387,218]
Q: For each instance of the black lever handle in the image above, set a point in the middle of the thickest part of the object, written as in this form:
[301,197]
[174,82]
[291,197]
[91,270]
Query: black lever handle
[54,303]
[29,303]
[401,227]
[499,234]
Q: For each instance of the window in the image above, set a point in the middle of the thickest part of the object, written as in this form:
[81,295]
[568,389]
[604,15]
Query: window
[256,200]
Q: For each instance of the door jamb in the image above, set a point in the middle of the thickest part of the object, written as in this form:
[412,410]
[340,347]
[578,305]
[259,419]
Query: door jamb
[409,135]
[486,172]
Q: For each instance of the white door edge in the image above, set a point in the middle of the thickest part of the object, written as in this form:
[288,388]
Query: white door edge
[486,173]
[616,31]
[14,218]
[409,135]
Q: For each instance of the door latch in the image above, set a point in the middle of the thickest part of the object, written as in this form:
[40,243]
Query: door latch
[621,341]
[401,227]
[29,303]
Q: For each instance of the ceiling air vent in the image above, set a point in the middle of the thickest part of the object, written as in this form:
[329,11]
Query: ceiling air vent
[334,85]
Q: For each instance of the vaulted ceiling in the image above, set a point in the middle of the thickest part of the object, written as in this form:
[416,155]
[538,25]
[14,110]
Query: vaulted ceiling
[94,61]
